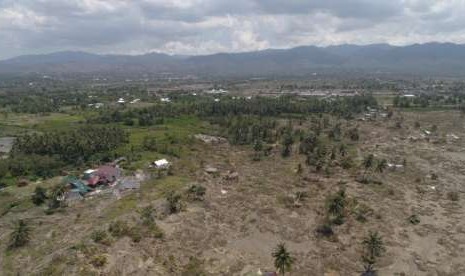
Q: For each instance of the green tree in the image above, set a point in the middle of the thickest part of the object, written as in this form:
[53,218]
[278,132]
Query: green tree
[257,147]
[287,145]
[336,206]
[174,202]
[147,215]
[57,194]
[197,192]
[282,259]
[21,234]
[368,163]
[381,165]
[373,248]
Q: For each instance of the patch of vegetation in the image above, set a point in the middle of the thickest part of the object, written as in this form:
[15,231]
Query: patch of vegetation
[119,228]
[196,192]
[336,205]
[194,267]
[453,196]
[283,260]
[101,236]
[40,196]
[99,261]
[414,219]
[174,202]
[21,234]
[373,248]
[325,230]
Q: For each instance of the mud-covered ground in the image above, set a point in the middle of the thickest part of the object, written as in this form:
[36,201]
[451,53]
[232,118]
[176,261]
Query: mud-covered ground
[234,230]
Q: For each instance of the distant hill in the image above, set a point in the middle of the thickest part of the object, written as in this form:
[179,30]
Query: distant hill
[444,59]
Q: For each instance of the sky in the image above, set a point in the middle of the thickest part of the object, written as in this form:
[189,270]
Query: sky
[197,27]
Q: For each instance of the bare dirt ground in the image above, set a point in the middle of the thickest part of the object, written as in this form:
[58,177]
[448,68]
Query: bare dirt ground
[233,231]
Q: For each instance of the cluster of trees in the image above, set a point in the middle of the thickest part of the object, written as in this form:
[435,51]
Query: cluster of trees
[45,155]
[205,107]
[427,100]
[371,164]
[37,100]
[43,166]
[73,146]
[245,130]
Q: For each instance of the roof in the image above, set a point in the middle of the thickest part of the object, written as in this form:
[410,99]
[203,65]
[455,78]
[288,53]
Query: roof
[93,180]
[108,172]
[128,183]
[77,184]
[161,163]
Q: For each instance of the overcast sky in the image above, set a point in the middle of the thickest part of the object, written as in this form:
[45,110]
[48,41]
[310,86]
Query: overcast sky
[210,26]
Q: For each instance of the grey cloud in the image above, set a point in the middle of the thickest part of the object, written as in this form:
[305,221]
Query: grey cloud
[206,26]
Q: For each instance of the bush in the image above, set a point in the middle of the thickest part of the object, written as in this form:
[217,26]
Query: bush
[99,260]
[101,236]
[325,230]
[174,202]
[338,220]
[147,215]
[39,196]
[414,219]
[156,232]
[135,233]
[56,198]
[347,163]
[118,228]
[194,267]
[196,192]
[21,234]
[453,196]
[336,205]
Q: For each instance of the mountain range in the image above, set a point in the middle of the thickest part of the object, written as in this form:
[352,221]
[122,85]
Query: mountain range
[442,59]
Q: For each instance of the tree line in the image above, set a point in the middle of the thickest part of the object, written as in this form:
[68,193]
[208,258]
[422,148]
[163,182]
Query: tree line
[205,107]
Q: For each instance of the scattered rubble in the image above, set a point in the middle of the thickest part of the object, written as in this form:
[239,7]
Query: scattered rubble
[210,139]
[211,170]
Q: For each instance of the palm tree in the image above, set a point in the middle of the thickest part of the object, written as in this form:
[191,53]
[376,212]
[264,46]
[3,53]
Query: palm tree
[56,196]
[381,165]
[282,259]
[374,247]
[368,162]
[20,235]
[337,205]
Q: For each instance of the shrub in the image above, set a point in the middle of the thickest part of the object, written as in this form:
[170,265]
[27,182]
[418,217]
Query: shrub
[156,232]
[414,219]
[56,199]
[347,163]
[100,236]
[336,206]
[194,267]
[99,260]
[453,196]
[135,233]
[197,192]
[147,215]
[21,234]
[39,196]
[373,249]
[174,202]
[325,230]
[118,228]
[338,220]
